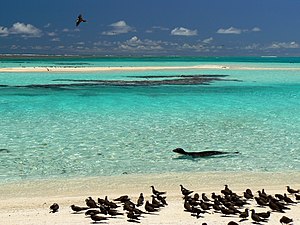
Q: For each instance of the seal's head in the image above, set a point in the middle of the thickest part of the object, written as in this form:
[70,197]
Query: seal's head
[179,150]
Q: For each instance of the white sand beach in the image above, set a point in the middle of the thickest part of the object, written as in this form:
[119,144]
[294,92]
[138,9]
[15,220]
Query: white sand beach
[28,202]
[136,68]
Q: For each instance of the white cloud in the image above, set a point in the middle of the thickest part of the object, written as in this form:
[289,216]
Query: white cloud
[51,34]
[55,39]
[47,25]
[26,30]
[256,29]
[233,30]
[135,44]
[208,40]
[119,27]
[183,31]
[277,45]
[3,32]
[230,30]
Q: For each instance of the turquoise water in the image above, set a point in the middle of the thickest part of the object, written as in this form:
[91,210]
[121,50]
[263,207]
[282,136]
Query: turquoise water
[83,130]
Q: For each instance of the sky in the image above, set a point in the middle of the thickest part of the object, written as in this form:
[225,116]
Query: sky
[151,27]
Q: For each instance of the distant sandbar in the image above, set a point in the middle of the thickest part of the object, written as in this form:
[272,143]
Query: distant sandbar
[136,68]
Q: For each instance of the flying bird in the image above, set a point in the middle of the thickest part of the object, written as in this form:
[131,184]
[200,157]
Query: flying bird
[79,20]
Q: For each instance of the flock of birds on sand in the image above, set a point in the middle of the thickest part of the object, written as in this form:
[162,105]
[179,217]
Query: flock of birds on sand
[227,204]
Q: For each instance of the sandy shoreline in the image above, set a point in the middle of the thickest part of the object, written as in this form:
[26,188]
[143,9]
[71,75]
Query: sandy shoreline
[135,68]
[28,202]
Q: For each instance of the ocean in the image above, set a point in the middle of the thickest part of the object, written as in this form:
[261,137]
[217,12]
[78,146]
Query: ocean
[68,125]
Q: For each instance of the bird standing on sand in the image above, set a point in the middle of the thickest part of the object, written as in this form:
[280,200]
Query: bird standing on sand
[265,215]
[132,216]
[226,190]
[149,207]
[156,192]
[185,191]
[256,217]
[205,198]
[292,191]
[245,214]
[91,202]
[140,200]
[285,220]
[79,20]
[288,200]
[97,218]
[76,208]
[122,198]
[54,208]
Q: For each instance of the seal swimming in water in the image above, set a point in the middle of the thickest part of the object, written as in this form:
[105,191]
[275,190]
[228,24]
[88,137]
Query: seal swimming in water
[202,153]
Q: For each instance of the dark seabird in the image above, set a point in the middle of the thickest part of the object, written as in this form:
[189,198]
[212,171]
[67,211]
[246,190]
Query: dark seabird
[54,208]
[92,212]
[216,207]
[197,211]
[288,200]
[226,211]
[149,207]
[292,191]
[101,201]
[205,198]
[244,214]
[122,198]
[133,216]
[226,190]
[140,200]
[76,208]
[97,218]
[261,201]
[204,205]
[91,202]
[249,192]
[155,202]
[110,204]
[279,196]
[155,192]
[264,214]
[278,206]
[113,212]
[262,194]
[232,223]
[297,197]
[187,206]
[285,220]
[247,195]
[185,191]
[128,205]
[196,197]
[255,217]
[162,199]
[79,20]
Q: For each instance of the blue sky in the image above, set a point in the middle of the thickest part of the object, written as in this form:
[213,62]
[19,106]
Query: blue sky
[151,27]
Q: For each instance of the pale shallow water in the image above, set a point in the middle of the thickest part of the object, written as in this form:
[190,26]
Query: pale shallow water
[86,131]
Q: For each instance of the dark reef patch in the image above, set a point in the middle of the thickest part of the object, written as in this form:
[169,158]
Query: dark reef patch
[143,81]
